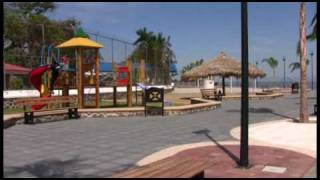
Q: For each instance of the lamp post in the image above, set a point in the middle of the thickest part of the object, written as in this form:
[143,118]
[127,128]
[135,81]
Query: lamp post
[244,155]
[311,54]
[255,79]
[284,71]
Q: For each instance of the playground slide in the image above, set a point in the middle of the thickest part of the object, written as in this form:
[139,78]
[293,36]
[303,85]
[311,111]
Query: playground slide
[35,80]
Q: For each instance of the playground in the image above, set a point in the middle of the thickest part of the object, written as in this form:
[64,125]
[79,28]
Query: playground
[83,103]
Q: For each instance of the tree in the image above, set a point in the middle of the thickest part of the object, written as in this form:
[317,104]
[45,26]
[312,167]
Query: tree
[188,67]
[273,63]
[304,116]
[313,35]
[156,50]
[296,65]
[24,23]
[28,29]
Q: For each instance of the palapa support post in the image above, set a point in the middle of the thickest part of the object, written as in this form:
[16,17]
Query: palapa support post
[223,86]
[129,86]
[97,70]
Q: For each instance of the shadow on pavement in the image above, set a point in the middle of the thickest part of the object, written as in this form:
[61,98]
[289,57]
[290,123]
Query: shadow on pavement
[264,110]
[206,133]
[47,169]
[55,168]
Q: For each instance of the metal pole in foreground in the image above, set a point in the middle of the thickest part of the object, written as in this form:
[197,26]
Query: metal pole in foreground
[311,54]
[284,71]
[244,159]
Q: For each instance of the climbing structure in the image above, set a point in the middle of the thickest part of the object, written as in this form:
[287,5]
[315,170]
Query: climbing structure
[87,66]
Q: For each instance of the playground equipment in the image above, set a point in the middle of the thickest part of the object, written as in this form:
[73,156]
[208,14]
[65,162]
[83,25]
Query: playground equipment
[89,70]
[44,77]
[84,64]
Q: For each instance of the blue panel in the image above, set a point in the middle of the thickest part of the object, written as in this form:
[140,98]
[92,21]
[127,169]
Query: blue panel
[105,67]
[173,68]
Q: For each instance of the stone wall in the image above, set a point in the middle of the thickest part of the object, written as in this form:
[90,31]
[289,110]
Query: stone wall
[10,103]
[121,112]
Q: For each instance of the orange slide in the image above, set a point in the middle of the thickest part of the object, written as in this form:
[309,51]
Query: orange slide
[35,80]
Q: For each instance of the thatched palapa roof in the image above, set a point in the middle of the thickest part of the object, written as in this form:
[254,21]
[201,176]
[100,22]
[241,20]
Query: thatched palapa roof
[221,65]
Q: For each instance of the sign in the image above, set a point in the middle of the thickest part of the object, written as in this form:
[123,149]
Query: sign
[122,76]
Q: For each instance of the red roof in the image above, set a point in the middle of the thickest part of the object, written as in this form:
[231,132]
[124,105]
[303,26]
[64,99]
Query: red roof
[14,69]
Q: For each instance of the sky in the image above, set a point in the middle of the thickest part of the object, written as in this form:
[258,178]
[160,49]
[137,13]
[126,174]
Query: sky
[202,30]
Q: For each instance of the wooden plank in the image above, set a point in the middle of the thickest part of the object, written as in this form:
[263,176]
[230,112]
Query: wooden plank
[152,169]
[137,169]
[165,169]
[168,168]
[45,101]
[194,169]
[175,170]
[144,169]
[57,109]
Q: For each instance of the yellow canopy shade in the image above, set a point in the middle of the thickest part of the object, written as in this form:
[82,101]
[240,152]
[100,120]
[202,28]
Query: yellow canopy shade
[80,42]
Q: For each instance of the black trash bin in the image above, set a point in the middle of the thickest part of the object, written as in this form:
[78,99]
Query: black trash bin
[295,88]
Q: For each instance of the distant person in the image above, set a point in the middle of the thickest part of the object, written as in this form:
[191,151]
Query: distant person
[56,69]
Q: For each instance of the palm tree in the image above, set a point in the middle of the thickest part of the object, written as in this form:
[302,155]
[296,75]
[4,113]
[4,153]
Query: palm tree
[273,63]
[313,35]
[304,116]
[156,50]
[296,65]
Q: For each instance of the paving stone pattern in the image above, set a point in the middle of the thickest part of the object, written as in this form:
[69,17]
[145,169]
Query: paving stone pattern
[99,147]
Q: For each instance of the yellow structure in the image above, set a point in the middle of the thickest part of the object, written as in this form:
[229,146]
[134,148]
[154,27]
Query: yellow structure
[80,44]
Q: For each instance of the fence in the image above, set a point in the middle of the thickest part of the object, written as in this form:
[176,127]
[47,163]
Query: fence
[32,56]
[237,83]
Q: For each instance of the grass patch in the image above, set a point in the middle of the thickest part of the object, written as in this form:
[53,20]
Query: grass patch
[12,110]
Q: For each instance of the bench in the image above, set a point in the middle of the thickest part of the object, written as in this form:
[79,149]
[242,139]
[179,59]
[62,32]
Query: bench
[65,101]
[167,168]
[207,93]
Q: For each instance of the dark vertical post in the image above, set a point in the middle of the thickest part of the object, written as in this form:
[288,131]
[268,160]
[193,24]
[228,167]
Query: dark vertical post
[284,71]
[311,54]
[244,86]
[114,96]
[223,86]
[257,63]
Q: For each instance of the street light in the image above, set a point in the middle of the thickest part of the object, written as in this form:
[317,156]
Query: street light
[256,81]
[284,71]
[311,54]
[244,148]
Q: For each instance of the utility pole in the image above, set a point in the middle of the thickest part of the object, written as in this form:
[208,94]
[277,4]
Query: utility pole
[284,71]
[244,155]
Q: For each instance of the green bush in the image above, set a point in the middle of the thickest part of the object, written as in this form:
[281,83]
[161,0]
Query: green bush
[16,82]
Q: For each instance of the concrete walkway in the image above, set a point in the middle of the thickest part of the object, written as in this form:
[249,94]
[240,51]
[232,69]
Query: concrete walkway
[99,147]
[284,133]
